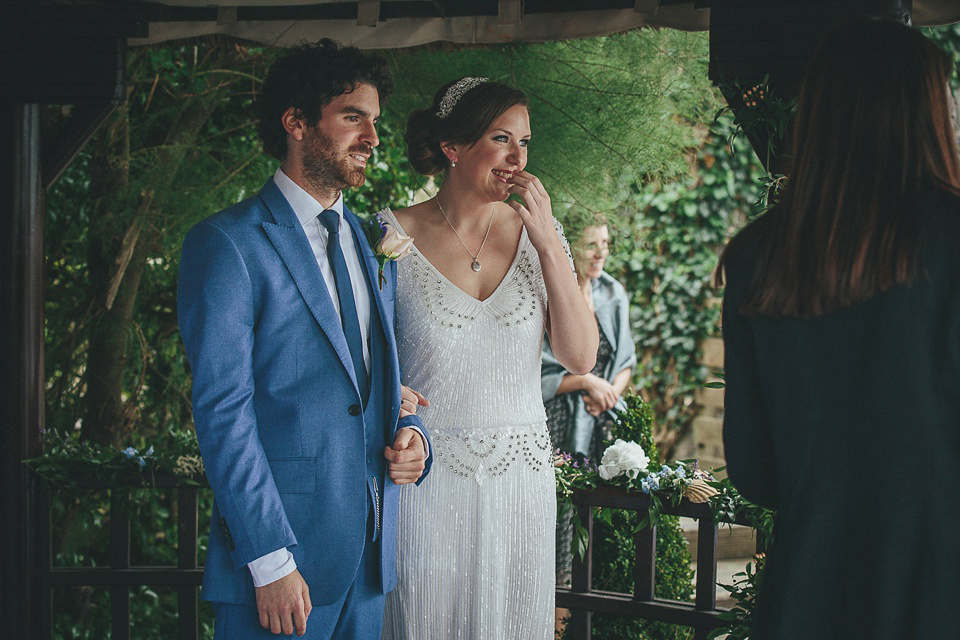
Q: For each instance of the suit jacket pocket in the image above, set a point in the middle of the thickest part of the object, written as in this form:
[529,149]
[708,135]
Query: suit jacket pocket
[295,475]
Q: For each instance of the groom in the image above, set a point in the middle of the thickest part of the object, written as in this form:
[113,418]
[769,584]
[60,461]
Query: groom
[296,391]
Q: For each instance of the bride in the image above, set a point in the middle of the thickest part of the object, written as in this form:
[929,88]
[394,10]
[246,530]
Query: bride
[483,281]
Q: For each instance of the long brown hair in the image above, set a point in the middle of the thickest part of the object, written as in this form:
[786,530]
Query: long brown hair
[873,131]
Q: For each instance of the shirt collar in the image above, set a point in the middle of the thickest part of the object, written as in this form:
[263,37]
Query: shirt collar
[303,204]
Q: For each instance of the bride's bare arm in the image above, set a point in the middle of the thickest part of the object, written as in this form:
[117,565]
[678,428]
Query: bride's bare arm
[570,324]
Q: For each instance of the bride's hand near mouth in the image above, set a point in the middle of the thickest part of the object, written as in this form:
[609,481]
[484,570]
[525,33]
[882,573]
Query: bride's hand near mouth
[570,323]
[535,211]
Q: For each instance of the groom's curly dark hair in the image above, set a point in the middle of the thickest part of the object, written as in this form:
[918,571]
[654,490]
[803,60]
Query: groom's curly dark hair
[307,78]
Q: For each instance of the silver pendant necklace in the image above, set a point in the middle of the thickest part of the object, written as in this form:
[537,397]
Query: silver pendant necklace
[475,265]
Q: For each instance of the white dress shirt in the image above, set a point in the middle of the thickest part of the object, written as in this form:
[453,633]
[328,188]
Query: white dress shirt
[308,211]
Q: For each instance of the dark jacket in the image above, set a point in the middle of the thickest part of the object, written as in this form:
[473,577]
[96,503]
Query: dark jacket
[849,425]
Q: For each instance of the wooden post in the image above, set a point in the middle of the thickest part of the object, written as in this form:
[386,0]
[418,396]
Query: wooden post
[21,378]
[645,569]
[119,560]
[706,596]
[582,578]
[187,559]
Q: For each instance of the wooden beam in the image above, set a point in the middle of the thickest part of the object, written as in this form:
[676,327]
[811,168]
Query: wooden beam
[509,12]
[226,16]
[368,13]
[647,6]
[60,54]
[22,377]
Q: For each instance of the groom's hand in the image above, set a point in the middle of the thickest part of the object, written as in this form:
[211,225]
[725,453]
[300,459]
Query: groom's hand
[405,459]
[282,600]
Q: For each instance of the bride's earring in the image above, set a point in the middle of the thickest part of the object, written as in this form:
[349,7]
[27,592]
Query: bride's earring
[451,155]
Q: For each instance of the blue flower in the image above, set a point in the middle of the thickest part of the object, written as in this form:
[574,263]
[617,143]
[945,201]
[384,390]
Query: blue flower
[149,451]
[650,483]
[141,462]
[681,473]
[130,452]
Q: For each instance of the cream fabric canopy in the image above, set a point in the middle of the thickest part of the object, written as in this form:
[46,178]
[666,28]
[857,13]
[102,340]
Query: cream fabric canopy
[366,26]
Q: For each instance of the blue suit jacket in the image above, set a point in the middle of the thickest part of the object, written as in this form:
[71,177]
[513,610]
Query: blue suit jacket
[291,455]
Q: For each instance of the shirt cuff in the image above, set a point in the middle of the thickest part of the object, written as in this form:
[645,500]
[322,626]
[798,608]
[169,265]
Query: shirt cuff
[271,567]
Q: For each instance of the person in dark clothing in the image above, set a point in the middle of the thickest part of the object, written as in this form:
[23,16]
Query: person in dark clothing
[841,324]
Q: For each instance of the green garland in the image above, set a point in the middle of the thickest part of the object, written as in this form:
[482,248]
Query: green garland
[762,113]
[70,463]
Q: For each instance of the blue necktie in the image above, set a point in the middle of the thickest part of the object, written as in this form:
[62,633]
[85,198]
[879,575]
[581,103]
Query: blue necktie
[348,304]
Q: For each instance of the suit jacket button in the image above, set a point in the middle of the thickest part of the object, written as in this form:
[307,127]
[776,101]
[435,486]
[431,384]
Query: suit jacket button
[355,410]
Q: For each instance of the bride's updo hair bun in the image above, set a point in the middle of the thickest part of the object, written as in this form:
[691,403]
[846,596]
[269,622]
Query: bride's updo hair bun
[423,150]
[471,115]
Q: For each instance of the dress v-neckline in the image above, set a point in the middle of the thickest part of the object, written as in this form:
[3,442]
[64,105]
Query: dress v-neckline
[450,283]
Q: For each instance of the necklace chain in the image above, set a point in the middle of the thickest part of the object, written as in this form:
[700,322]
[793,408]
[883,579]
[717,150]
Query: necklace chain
[475,265]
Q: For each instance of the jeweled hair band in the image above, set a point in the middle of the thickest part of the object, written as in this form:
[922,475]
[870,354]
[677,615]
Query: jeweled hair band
[455,92]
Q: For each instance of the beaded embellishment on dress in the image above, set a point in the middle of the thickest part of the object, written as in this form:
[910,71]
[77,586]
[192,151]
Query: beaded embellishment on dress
[485,454]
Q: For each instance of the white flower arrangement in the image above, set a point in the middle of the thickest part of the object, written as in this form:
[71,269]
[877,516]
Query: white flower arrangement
[623,458]
[626,464]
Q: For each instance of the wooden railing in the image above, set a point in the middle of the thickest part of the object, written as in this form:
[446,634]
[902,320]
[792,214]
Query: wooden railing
[120,577]
[583,601]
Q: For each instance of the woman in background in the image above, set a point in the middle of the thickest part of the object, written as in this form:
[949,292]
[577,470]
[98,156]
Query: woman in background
[841,324]
[580,407]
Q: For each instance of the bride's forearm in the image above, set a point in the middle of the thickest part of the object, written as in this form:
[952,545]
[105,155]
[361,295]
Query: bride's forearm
[570,323]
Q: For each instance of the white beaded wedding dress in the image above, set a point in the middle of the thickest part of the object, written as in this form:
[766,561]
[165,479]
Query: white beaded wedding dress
[475,556]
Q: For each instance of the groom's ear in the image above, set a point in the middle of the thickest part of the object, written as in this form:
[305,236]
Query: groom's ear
[294,123]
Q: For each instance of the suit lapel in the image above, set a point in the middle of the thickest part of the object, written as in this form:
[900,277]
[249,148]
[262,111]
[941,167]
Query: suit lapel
[288,238]
[372,271]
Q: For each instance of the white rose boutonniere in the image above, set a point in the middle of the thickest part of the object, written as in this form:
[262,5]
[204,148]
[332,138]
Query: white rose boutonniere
[394,244]
[623,458]
[388,242]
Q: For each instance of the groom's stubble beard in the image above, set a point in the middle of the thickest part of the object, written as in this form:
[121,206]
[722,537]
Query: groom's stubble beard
[326,168]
